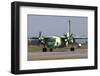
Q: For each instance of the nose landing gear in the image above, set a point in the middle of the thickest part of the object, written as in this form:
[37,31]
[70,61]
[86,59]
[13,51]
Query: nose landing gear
[51,50]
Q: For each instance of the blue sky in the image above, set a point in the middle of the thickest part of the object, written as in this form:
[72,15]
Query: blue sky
[56,25]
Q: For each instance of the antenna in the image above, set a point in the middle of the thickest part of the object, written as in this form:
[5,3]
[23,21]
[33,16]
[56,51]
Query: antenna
[40,34]
[69,27]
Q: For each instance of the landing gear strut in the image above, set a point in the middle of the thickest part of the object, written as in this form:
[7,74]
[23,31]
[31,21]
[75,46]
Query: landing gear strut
[72,48]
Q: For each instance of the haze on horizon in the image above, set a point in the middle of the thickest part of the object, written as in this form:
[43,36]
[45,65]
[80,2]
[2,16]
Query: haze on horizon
[56,25]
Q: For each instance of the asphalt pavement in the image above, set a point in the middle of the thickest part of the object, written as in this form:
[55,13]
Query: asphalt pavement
[77,54]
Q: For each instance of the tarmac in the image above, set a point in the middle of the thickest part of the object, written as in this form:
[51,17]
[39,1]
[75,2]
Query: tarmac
[77,54]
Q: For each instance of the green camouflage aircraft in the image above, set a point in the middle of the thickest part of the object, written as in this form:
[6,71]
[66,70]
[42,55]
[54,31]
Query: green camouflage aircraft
[53,42]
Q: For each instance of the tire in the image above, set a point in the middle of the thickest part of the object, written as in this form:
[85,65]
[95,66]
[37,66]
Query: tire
[72,49]
[44,50]
[51,50]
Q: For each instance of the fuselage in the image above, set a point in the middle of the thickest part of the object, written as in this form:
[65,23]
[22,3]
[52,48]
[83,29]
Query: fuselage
[54,42]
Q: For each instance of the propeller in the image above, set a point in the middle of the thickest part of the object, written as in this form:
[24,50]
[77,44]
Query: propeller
[40,38]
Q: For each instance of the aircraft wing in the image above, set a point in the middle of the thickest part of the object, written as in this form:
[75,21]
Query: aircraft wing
[62,37]
[80,38]
[34,38]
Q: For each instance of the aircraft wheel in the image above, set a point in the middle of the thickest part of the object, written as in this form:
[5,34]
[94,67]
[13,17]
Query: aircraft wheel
[72,49]
[44,50]
[51,50]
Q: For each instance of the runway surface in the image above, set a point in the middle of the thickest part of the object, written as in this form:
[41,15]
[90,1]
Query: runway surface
[77,54]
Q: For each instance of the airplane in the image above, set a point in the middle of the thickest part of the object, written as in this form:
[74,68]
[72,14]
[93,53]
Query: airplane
[52,42]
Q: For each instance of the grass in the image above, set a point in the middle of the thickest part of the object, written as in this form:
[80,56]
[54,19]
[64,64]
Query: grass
[34,48]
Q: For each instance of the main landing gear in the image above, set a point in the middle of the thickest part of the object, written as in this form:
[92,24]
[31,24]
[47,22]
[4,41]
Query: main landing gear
[45,49]
[72,49]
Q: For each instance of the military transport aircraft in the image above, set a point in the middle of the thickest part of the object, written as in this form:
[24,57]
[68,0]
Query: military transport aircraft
[52,42]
